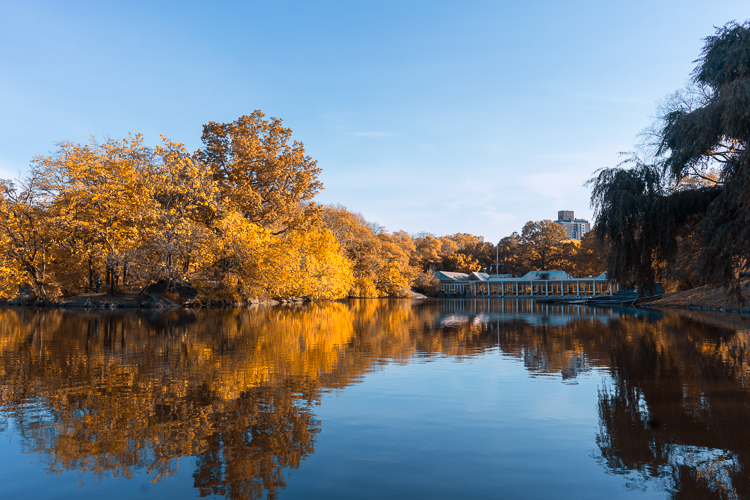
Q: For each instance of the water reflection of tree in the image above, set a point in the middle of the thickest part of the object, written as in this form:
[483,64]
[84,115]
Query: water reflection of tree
[676,414]
[678,409]
[111,394]
[116,393]
[246,459]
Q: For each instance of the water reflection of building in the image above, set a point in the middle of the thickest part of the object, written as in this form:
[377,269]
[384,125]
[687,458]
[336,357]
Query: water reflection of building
[484,311]
[578,364]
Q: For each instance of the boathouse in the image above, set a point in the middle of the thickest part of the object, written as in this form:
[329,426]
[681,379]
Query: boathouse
[533,284]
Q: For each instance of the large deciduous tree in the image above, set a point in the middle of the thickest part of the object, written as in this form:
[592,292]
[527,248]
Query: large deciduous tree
[541,243]
[98,193]
[269,180]
[27,239]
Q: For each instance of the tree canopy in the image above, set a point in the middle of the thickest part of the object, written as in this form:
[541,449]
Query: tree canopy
[228,223]
[542,241]
[267,179]
[686,195]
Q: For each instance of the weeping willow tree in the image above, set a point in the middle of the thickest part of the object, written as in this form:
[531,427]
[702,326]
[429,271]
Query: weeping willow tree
[689,199]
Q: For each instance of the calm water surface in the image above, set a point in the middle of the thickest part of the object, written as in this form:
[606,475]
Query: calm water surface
[375,399]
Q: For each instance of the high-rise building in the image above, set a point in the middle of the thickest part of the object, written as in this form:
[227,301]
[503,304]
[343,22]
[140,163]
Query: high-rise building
[575,228]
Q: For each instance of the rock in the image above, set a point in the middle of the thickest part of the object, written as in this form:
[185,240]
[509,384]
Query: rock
[185,290]
[156,301]
[253,301]
[157,287]
[78,303]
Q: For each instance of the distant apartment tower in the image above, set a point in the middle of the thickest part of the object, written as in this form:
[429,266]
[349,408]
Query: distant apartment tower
[575,228]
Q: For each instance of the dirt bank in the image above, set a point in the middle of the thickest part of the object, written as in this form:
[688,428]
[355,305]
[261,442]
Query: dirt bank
[718,298]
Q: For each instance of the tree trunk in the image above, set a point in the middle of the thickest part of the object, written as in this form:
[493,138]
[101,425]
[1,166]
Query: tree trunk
[37,284]
[91,272]
[113,280]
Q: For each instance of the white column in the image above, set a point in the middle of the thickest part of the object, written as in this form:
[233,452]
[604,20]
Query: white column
[578,288]
[546,288]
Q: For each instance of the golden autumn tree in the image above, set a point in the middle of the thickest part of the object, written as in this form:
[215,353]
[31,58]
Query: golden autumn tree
[237,259]
[589,257]
[427,252]
[396,274]
[183,207]
[11,272]
[267,179]
[380,261]
[99,191]
[541,244]
[460,263]
[27,240]
[309,263]
[232,221]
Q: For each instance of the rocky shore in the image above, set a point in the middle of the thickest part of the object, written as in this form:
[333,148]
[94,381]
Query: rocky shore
[150,300]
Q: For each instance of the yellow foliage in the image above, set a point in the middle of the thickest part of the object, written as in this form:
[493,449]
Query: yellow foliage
[312,264]
[380,261]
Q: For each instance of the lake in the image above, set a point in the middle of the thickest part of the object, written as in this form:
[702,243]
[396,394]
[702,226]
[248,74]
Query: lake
[454,398]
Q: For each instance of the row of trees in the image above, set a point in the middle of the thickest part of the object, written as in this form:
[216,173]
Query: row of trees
[231,221]
[544,245]
[234,220]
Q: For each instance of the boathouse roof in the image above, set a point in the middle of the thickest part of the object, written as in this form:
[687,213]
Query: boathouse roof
[530,276]
[449,276]
[546,275]
[478,276]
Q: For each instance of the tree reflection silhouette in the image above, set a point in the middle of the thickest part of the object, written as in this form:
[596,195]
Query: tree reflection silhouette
[677,408]
[253,441]
[112,393]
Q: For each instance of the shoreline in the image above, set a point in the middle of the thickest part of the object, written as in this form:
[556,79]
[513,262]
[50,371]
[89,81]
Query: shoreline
[705,298]
[139,301]
[158,301]
[708,298]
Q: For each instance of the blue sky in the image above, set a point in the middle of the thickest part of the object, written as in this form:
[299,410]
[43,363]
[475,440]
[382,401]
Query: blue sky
[424,116]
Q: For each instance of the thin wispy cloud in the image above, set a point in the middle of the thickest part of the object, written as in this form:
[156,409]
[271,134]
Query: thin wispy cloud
[372,134]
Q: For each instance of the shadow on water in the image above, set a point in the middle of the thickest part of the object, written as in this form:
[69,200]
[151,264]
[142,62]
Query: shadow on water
[112,393]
